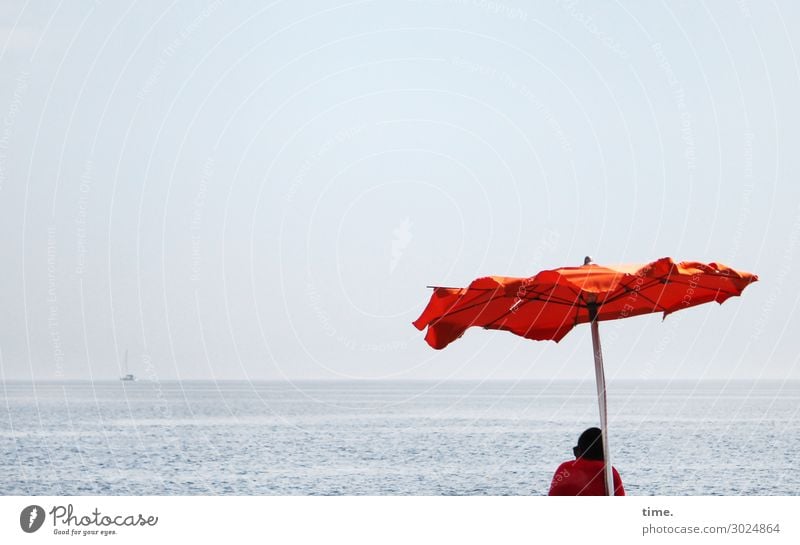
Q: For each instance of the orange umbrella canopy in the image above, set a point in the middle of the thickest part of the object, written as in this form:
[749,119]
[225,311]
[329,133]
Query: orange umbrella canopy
[548,305]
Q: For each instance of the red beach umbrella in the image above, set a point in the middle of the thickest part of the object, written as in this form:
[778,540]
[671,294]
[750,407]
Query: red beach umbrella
[548,305]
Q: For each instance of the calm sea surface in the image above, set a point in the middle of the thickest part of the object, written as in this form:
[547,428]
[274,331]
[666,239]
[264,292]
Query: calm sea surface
[390,438]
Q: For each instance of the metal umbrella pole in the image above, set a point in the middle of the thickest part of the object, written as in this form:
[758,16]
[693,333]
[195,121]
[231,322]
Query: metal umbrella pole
[600,379]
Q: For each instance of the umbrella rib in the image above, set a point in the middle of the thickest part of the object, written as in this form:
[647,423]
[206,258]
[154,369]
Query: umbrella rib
[452,288]
[640,294]
[542,296]
[627,290]
[474,302]
[509,311]
[577,292]
[551,300]
[470,305]
[506,313]
[564,302]
[699,286]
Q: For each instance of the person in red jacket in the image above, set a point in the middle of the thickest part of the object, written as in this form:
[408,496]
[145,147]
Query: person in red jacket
[583,476]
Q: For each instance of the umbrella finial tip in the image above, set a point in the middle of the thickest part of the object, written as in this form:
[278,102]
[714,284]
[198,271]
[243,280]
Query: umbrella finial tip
[587,260]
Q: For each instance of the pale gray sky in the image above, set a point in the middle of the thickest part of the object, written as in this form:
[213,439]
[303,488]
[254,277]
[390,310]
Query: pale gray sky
[238,190]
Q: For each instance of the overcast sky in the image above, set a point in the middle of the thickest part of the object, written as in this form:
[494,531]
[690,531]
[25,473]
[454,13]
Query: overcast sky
[236,191]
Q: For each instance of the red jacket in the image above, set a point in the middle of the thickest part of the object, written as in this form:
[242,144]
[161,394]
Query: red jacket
[583,477]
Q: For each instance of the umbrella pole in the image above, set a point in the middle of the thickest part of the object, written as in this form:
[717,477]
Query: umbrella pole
[600,379]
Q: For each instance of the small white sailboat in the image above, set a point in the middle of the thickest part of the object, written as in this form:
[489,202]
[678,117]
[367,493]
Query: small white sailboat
[128,377]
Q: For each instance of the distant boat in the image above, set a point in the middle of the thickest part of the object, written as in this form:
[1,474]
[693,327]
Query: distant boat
[128,377]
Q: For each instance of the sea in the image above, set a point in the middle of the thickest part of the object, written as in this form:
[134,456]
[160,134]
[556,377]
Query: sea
[391,437]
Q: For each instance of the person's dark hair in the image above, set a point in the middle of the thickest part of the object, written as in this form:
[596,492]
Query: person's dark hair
[590,444]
